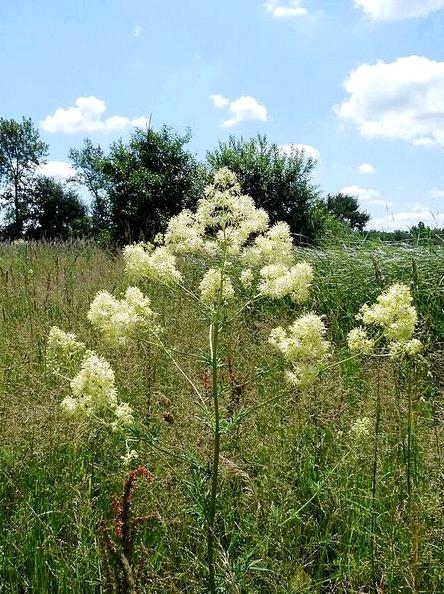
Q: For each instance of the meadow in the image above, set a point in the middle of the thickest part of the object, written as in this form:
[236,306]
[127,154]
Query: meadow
[336,488]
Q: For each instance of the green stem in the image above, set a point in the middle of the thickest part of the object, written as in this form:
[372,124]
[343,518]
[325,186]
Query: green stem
[216,453]
[374,478]
[214,351]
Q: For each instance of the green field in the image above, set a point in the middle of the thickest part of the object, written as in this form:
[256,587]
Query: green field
[306,504]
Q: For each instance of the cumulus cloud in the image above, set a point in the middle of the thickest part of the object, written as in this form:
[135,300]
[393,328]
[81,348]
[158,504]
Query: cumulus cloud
[59,169]
[436,193]
[405,220]
[86,115]
[242,109]
[365,195]
[366,168]
[403,99]
[285,9]
[307,149]
[390,10]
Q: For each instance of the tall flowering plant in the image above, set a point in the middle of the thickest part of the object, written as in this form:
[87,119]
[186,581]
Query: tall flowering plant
[245,259]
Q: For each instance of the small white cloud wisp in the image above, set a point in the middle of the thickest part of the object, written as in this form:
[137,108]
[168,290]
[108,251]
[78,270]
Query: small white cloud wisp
[285,9]
[294,148]
[392,10]
[86,115]
[242,109]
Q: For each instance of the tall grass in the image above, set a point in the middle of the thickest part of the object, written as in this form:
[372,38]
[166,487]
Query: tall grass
[305,503]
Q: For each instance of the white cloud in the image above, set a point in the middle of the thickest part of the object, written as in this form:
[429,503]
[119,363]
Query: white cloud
[244,108]
[436,193]
[403,99]
[389,10]
[86,116]
[365,195]
[405,220]
[137,31]
[291,149]
[59,169]
[285,9]
[366,168]
[219,101]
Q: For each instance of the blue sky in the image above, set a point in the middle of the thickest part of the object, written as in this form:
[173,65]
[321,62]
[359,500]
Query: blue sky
[360,81]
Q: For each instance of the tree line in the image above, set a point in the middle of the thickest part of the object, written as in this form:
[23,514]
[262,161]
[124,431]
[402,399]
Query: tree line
[137,185]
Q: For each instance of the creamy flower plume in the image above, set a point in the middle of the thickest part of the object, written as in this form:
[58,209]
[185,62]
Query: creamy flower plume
[278,281]
[142,261]
[226,225]
[119,319]
[304,347]
[63,350]
[395,317]
[210,287]
[93,386]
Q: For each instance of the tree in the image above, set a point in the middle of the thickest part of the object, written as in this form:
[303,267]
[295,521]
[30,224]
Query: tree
[55,212]
[144,182]
[88,163]
[21,151]
[278,182]
[345,208]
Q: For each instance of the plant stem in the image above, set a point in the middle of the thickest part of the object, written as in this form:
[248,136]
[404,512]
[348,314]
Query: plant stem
[374,477]
[214,335]
[214,350]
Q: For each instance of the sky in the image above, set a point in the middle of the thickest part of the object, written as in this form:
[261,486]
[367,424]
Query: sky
[358,83]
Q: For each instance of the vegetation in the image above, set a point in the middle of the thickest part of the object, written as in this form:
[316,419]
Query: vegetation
[21,151]
[277,182]
[240,481]
[137,186]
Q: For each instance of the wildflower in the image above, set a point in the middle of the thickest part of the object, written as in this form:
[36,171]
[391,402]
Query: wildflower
[361,428]
[142,262]
[396,317]
[210,286]
[70,405]
[246,278]
[304,347]
[129,457]
[359,342]
[228,215]
[278,281]
[124,416]
[410,348]
[183,236]
[275,246]
[63,349]
[393,312]
[94,386]
[118,319]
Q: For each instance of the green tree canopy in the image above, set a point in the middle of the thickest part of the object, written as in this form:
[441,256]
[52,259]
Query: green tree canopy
[278,182]
[142,183]
[56,212]
[21,151]
[345,208]
[88,163]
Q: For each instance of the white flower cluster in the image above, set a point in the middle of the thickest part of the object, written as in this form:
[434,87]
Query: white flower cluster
[359,342]
[361,428]
[277,281]
[118,319]
[395,316]
[226,221]
[210,287]
[93,386]
[275,246]
[304,346]
[142,261]
[63,350]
